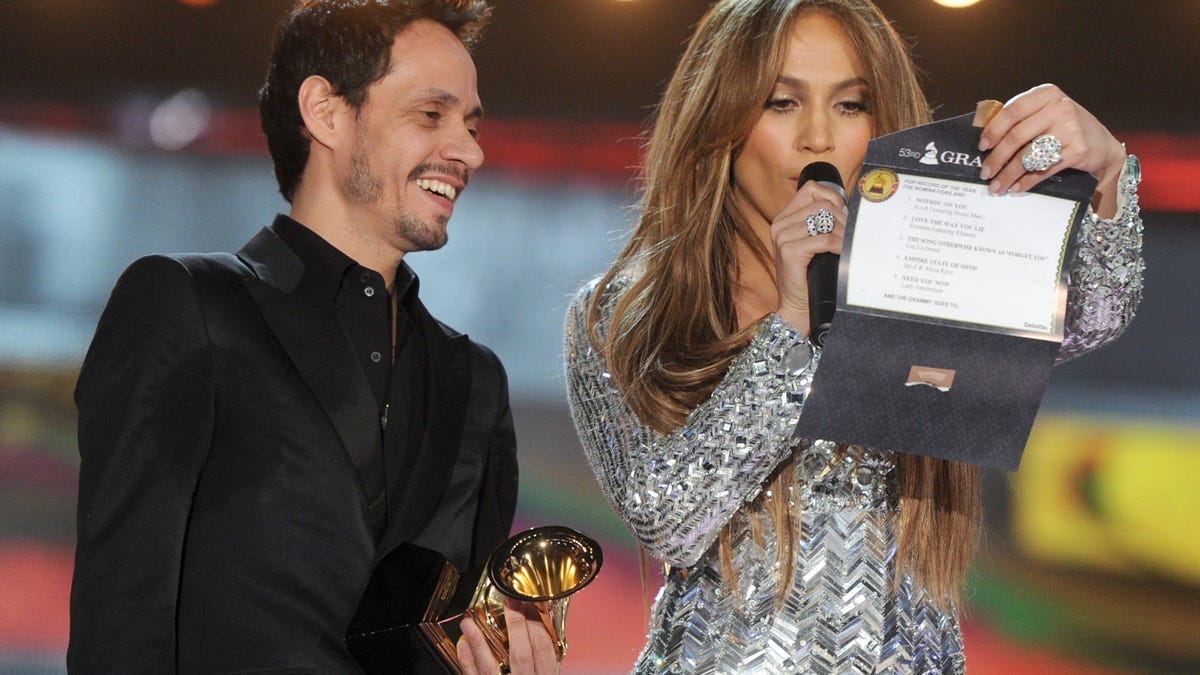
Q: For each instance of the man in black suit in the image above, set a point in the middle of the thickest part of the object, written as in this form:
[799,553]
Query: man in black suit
[257,431]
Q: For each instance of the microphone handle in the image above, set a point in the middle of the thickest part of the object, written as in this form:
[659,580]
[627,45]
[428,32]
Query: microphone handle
[822,295]
[823,270]
[822,285]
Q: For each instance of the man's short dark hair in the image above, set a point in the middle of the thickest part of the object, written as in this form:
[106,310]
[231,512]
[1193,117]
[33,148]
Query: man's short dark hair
[349,43]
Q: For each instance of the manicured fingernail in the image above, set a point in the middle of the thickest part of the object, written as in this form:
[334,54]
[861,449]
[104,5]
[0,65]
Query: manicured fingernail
[986,173]
[983,144]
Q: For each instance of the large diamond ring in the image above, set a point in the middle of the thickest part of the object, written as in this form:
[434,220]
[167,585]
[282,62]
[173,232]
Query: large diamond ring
[821,222]
[1044,152]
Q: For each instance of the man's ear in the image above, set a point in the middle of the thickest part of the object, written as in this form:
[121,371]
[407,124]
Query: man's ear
[322,110]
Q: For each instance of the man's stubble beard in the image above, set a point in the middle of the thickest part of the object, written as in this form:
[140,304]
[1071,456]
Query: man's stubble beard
[363,186]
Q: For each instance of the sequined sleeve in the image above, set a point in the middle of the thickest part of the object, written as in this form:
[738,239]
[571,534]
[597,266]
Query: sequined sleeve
[676,492]
[1106,277]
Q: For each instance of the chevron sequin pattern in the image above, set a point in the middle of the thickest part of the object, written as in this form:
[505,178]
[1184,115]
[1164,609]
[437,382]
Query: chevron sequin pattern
[843,612]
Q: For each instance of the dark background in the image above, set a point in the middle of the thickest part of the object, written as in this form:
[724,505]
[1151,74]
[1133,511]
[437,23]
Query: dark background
[1133,64]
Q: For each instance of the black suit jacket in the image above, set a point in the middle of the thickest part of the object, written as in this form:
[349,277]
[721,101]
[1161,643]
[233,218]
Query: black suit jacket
[222,521]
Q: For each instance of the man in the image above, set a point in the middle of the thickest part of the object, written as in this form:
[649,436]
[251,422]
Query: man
[257,431]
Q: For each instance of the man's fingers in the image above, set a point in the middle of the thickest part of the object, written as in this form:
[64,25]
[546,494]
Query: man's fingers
[530,646]
[520,649]
[474,654]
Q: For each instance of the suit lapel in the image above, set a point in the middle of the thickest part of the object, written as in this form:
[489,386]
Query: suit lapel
[424,473]
[313,339]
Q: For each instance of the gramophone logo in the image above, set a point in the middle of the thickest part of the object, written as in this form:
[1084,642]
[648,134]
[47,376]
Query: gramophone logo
[878,185]
[934,157]
[930,156]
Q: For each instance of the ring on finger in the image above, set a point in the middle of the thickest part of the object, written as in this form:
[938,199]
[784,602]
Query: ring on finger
[821,222]
[1044,152]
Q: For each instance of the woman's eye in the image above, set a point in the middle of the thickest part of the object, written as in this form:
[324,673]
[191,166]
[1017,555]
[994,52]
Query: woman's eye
[781,104]
[853,107]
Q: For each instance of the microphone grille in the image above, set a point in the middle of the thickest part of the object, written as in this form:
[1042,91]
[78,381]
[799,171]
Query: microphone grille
[822,172]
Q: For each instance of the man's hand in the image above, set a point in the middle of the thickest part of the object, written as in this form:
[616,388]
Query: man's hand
[530,645]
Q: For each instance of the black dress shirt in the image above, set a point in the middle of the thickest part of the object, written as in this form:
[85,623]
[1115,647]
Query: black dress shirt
[397,375]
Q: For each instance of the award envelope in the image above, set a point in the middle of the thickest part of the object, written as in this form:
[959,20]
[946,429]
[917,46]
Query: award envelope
[950,302]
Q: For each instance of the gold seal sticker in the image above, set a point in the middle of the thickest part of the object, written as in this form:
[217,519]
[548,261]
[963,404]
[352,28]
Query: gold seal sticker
[878,185]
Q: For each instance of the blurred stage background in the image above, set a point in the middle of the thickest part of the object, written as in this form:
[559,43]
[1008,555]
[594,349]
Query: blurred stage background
[127,127]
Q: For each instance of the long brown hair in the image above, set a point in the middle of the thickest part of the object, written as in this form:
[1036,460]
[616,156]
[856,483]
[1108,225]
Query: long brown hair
[674,331]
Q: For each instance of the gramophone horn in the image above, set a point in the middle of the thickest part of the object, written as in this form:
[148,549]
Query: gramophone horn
[543,565]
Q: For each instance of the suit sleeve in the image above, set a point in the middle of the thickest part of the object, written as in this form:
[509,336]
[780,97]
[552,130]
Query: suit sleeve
[499,499]
[145,401]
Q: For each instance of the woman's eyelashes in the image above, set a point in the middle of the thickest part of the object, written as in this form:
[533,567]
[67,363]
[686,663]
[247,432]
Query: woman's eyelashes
[849,107]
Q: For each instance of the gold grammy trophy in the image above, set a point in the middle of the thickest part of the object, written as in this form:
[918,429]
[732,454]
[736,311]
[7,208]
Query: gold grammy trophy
[543,565]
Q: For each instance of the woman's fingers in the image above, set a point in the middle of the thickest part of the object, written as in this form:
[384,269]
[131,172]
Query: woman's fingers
[1055,132]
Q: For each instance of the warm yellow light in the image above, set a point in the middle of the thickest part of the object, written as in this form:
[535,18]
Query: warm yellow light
[956,3]
[198,3]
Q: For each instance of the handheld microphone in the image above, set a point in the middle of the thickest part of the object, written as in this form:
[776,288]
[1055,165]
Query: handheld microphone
[823,270]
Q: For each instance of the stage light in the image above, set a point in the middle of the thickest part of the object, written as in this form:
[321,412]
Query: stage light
[198,3]
[956,3]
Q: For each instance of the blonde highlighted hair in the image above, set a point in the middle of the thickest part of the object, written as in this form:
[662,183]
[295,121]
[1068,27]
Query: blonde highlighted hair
[675,329]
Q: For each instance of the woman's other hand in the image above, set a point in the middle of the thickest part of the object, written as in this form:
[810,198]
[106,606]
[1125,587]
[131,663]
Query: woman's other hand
[1086,145]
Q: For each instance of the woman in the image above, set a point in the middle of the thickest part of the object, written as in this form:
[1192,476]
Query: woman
[687,363]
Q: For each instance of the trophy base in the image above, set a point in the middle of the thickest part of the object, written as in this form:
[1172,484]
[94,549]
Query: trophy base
[398,626]
[420,649]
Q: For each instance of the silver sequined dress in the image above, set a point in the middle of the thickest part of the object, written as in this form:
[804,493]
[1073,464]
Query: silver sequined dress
[676,492]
